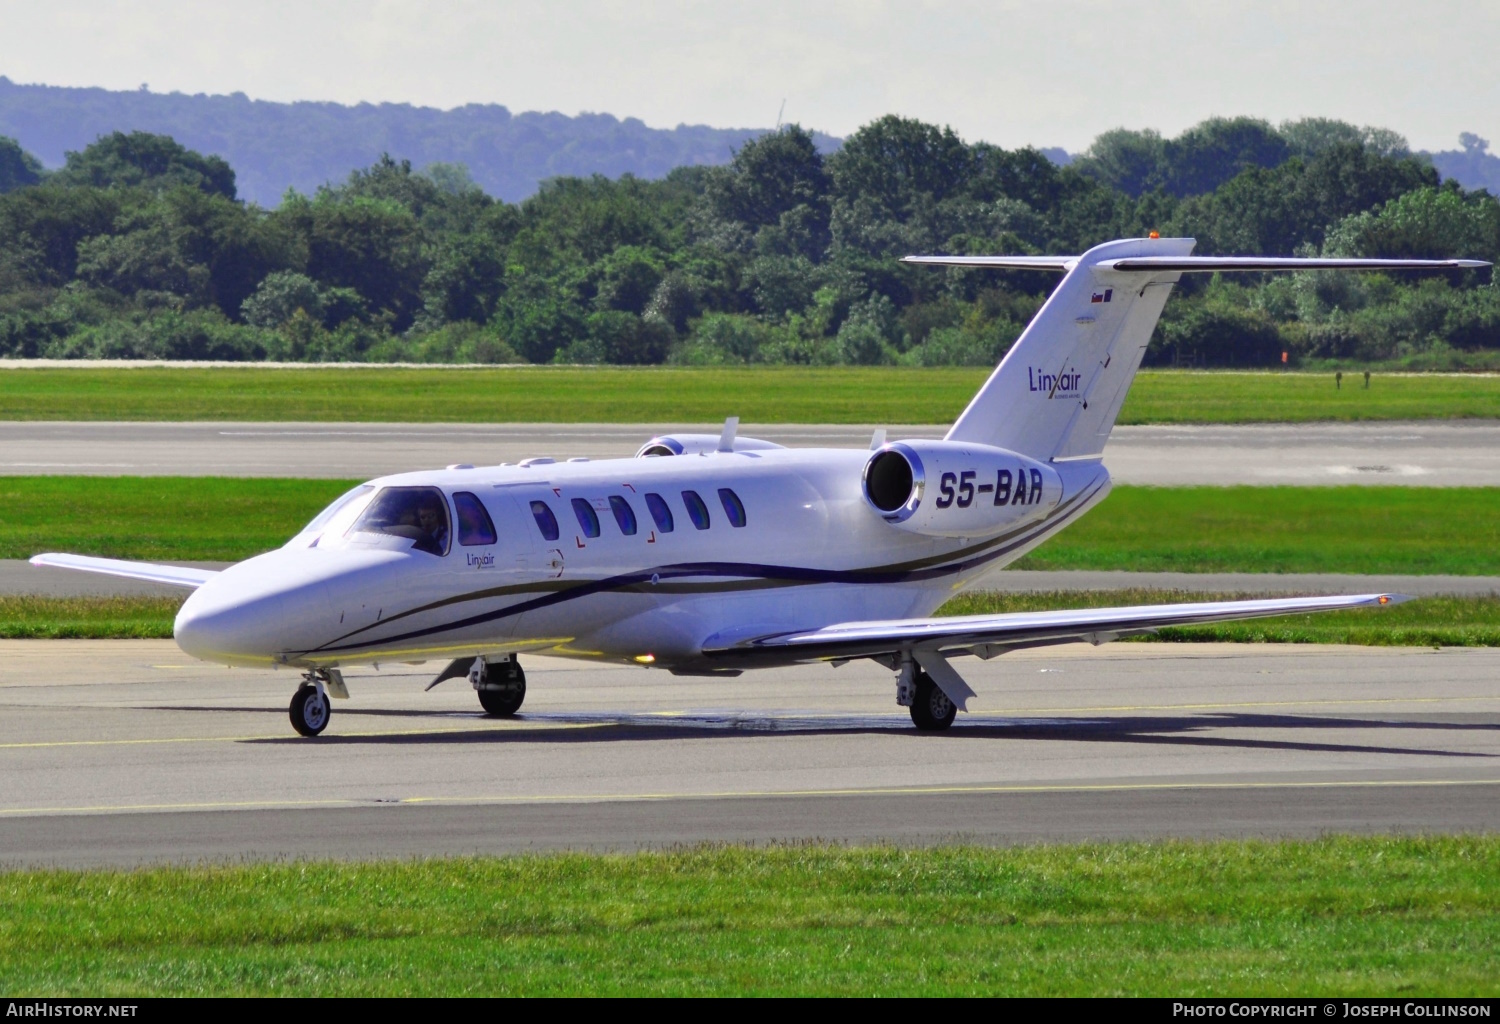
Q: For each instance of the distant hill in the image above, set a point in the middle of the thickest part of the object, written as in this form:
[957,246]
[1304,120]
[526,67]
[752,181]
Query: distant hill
[1473,166]
[276,146]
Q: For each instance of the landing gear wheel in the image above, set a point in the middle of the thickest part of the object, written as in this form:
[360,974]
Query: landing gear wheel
[310,711]
[504,690]
[931,710]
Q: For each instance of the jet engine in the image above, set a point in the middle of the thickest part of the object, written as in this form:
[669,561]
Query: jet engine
[957,489]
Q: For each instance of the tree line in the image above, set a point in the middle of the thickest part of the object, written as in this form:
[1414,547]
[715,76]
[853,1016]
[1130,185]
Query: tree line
[139,247]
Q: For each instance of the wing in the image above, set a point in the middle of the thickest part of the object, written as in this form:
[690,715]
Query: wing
[991,634]
[171,575]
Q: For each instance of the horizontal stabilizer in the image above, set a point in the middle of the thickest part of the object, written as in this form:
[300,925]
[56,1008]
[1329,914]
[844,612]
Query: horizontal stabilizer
[1193,264]
[1028,629]
[998,262]
[1215,264]
[171,575]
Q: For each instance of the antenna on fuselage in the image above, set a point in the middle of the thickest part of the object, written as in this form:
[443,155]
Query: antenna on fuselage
[726,439]
[877,439]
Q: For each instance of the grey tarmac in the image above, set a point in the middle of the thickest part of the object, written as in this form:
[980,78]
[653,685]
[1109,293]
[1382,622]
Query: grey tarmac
[127,752]
[1420,453]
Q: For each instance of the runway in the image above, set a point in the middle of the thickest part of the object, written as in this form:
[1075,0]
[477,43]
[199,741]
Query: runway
[1426,453]
[127,752]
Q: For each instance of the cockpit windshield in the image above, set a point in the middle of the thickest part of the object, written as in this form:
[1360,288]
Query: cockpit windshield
[417,513]
[321,519]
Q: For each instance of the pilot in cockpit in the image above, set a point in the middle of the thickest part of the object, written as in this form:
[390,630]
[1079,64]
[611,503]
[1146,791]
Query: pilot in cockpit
[431,519]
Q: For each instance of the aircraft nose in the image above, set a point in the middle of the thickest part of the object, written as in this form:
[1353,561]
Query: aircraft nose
[227,622]
[228,631]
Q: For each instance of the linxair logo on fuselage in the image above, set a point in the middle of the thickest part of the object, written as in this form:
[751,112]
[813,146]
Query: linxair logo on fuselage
[1051,384]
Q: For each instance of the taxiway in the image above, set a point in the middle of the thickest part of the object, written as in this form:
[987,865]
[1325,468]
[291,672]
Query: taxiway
[126,752]
[1426,453]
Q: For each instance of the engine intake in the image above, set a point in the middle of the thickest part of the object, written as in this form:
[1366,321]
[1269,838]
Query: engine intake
[957,489]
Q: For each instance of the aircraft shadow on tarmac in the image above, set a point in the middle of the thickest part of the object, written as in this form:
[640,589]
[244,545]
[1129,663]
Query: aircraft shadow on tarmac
[1160,730]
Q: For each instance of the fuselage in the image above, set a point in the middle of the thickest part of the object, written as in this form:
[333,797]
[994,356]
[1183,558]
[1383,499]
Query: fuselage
[640,560]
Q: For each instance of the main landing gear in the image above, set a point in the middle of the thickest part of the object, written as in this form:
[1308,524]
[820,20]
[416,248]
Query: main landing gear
[501,685]
[931,710]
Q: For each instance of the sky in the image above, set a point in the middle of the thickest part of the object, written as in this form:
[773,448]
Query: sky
[1003,71]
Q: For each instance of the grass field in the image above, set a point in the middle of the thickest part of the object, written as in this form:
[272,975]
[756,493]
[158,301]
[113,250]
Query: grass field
[1338,916]
[1190,529]
[1417,530]
[1426,622]
[842,394]
[182,518]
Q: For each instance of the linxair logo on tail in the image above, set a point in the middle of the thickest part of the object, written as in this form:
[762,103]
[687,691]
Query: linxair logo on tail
[1065,383]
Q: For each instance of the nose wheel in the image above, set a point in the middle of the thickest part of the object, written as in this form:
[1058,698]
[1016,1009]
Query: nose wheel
[310,710]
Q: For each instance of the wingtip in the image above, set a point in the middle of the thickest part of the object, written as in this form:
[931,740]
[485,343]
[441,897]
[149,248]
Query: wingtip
[1387,599]
[1472,264]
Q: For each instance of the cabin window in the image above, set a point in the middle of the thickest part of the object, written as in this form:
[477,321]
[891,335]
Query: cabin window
[624,514]
[696,510]
[733,507]
[660,512]
[545,520]
[417,513]
[588,520]
[474,523]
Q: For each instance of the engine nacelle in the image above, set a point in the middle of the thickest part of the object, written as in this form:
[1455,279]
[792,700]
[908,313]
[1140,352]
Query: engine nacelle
[957,489]
[693,444]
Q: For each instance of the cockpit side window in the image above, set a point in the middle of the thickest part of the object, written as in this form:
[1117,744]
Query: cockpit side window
[417,513]
[588,520]
[660,511]
[545,520]
[474,524]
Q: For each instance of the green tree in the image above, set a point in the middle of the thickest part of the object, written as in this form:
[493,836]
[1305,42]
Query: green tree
[148,161]
[18,168]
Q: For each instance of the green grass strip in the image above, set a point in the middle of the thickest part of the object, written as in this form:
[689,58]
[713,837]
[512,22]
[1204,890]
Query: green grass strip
[781,394]
[1332,917]
[1352,529]
[182,518]
[88,618]
[1409,530]
[1424,622]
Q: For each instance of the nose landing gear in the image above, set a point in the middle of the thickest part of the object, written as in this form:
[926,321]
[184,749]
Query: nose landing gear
[310,710]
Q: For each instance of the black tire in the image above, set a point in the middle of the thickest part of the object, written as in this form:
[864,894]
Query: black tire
[931,710]
[310,711]
[504,701]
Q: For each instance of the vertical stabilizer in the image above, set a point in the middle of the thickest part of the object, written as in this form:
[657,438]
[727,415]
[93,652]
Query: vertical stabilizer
[1057,392]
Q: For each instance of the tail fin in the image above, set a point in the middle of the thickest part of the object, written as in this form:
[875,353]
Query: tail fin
[1057,392]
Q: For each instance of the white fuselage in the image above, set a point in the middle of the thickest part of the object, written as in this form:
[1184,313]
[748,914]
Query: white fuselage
[812,551]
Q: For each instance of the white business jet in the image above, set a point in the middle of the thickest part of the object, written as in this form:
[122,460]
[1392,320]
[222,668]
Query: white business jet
[710,555]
